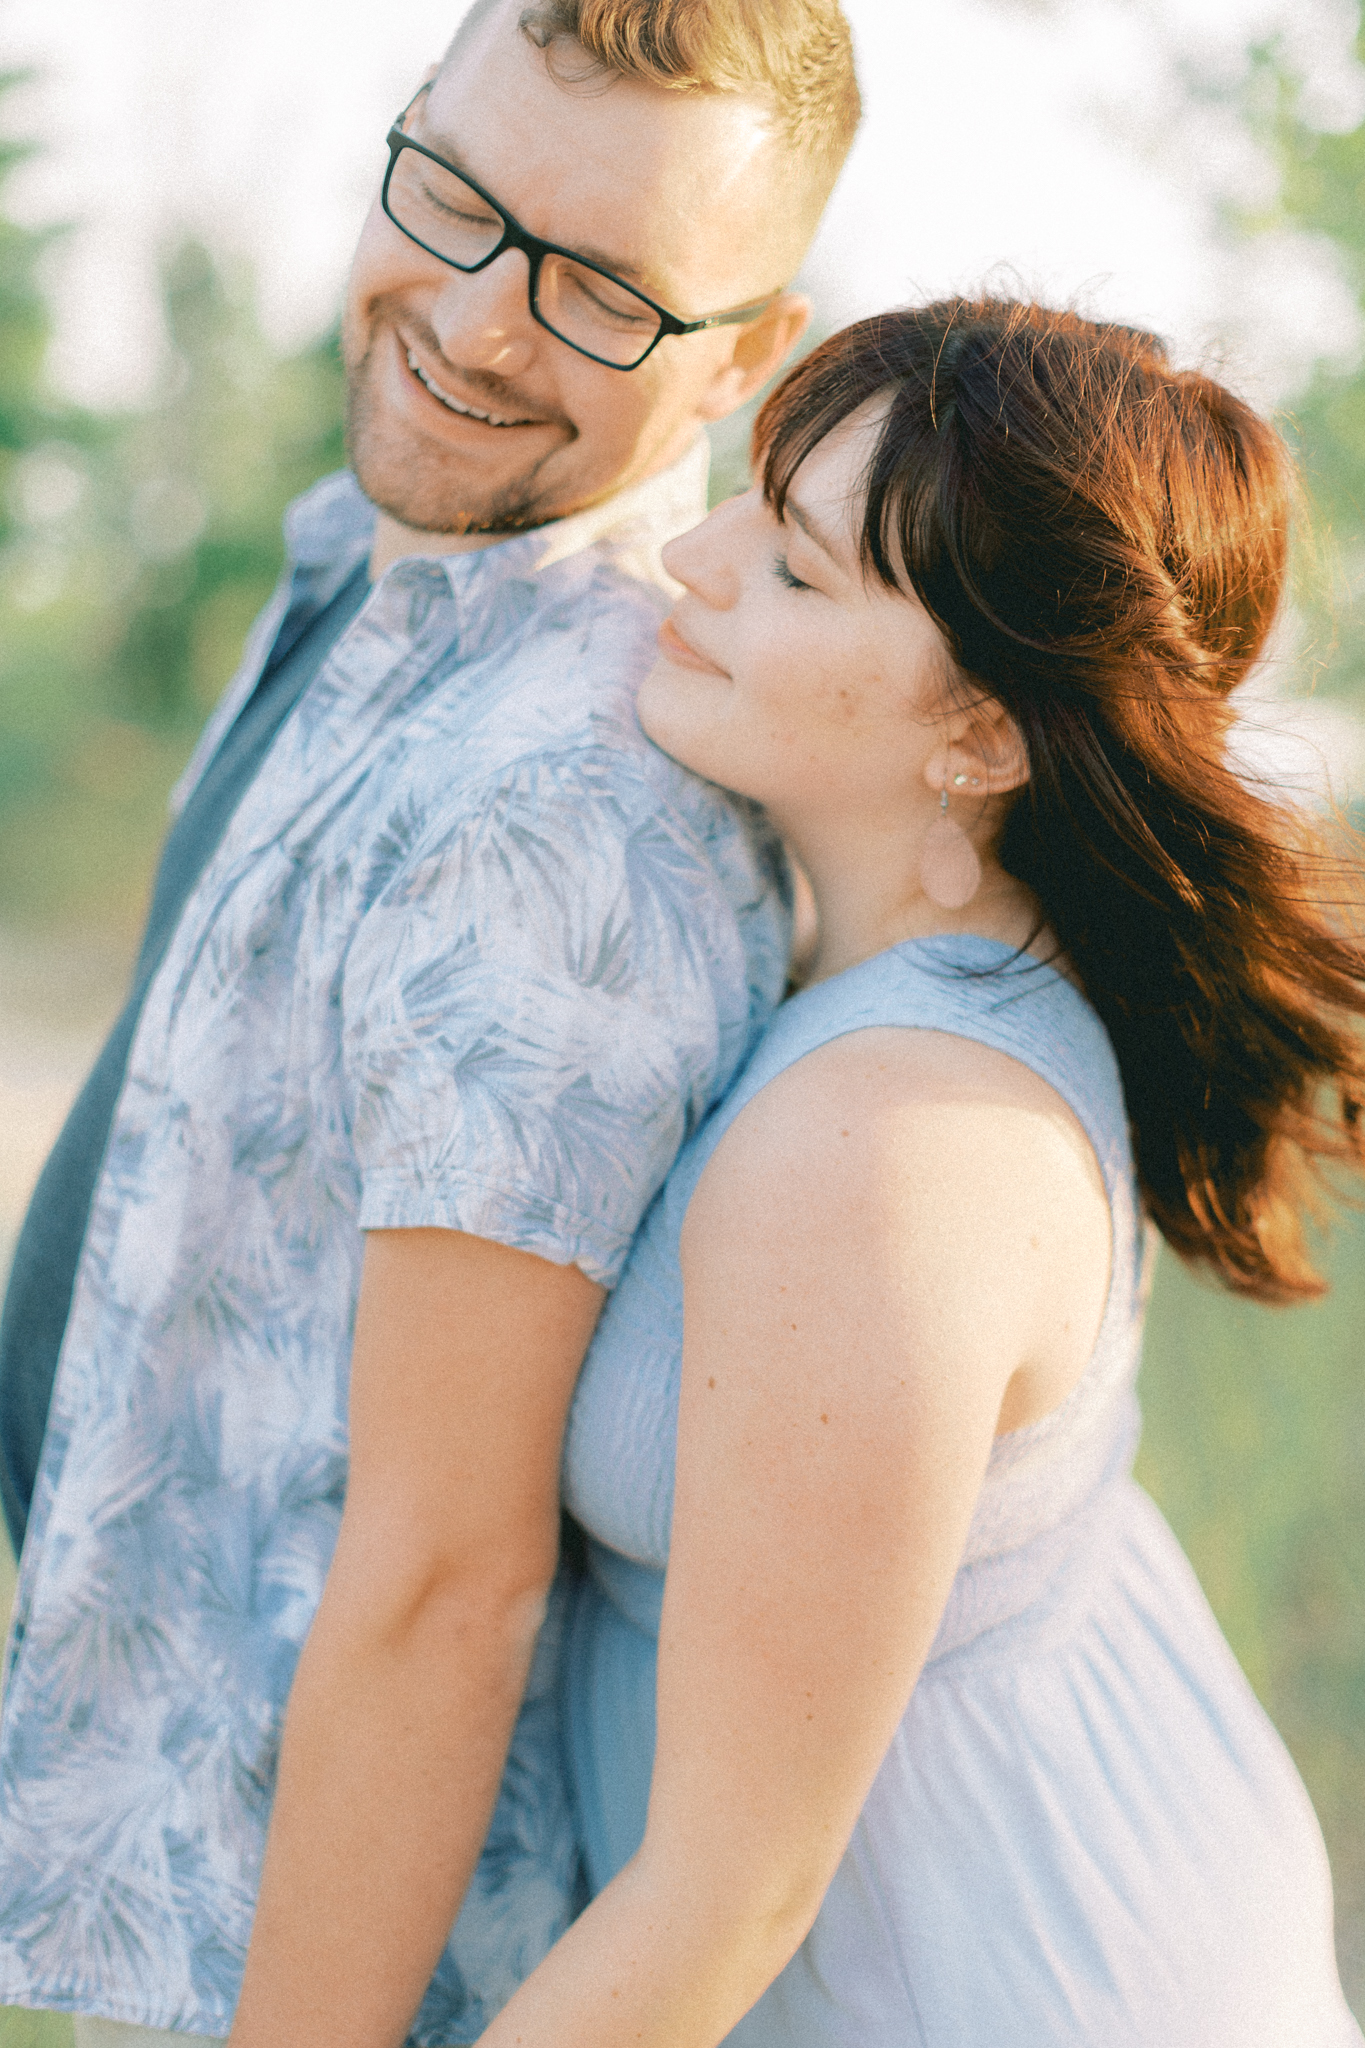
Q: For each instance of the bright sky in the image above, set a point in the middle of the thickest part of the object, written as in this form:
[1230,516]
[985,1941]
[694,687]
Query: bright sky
[1043,138]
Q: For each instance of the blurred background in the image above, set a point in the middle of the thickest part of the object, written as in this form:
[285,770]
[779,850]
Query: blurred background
[180,185]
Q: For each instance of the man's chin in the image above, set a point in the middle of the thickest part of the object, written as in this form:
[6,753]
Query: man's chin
[432,523]
[438,505]
[428,494]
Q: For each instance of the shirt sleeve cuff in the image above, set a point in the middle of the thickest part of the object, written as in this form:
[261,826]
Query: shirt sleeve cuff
[525,1221]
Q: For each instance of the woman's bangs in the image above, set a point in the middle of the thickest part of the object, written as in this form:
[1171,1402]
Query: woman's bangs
[795,420]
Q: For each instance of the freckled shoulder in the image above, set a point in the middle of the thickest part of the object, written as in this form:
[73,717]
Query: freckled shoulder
[900,1112]
[841,1092]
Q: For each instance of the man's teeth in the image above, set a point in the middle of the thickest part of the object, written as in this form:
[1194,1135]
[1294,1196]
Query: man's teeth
[471,411]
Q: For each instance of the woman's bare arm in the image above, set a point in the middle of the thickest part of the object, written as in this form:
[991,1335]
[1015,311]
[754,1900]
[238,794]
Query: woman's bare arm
[895,1238]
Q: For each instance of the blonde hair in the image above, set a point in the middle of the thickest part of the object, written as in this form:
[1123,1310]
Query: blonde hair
[797,55]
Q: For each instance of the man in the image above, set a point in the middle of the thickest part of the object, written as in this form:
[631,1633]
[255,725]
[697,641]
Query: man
[442,964]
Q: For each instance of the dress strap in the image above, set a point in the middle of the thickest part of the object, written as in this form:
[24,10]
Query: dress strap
[973,988]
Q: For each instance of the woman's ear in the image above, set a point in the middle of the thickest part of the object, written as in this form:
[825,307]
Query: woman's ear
[985,747]
[999,745]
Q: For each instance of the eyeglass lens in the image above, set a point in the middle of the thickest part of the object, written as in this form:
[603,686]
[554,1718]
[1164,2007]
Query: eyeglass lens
[577,303]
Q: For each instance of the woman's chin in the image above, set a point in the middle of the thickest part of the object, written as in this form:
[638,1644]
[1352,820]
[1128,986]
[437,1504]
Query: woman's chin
[681,716]
[663,717]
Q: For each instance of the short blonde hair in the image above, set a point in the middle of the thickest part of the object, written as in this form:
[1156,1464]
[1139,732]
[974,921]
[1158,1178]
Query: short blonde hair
[797,55]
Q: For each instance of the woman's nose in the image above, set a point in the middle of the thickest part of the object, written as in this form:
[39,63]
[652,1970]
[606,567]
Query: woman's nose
[703,561]
[484,322]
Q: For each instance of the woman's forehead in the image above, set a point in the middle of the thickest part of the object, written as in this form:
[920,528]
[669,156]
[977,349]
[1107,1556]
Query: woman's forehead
[827,495]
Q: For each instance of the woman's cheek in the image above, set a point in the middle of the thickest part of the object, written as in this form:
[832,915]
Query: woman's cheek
[672,711]
[699,723]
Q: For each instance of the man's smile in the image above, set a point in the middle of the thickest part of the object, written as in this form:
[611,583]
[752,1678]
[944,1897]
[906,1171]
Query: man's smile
[460,405]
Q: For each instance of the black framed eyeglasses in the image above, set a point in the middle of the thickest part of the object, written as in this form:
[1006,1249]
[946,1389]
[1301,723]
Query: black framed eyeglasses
[454,219]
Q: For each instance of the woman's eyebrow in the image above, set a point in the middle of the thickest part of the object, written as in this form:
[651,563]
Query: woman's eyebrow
[810,527]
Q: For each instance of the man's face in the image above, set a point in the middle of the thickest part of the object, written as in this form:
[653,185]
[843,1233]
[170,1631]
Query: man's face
[466,416]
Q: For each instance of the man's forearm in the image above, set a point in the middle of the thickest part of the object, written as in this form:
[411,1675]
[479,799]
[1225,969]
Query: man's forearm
[393,1750]
[464,1361]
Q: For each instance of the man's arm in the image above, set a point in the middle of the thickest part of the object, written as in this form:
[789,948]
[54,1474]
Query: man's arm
[401,1712]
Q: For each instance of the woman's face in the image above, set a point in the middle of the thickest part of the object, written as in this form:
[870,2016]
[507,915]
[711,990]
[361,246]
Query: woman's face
[783,673]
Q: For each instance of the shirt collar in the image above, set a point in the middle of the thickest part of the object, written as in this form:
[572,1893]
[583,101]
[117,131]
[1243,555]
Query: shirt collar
[634,525]
[330,528]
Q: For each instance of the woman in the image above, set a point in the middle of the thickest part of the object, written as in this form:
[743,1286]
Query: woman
[949,1747]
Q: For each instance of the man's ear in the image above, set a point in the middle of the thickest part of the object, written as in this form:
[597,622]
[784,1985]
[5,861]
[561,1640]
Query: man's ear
[760,348]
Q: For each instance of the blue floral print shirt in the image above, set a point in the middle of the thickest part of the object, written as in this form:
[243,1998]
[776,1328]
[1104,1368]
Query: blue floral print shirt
[471,953]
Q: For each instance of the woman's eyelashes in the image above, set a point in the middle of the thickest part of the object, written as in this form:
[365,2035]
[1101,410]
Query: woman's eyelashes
[782,571]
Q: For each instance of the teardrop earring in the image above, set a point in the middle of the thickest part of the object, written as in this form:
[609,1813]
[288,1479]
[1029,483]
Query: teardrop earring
[949,871]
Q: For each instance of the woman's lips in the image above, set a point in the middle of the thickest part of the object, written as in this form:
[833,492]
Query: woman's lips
[677,649]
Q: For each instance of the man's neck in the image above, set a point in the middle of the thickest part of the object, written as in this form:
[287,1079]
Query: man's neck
[393,540]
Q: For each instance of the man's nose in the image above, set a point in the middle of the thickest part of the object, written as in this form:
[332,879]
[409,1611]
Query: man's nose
[483,321]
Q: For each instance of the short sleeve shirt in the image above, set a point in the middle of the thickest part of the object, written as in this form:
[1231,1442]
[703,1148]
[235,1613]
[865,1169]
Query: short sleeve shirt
[470,953]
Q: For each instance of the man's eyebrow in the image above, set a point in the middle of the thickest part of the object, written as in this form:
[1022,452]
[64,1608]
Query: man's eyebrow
[629,273]
[810,527]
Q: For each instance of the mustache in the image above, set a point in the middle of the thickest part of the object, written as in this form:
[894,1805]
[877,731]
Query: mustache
[499,394]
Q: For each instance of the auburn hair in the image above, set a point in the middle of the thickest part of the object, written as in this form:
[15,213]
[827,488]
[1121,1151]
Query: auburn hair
[1102,541]
[795,54]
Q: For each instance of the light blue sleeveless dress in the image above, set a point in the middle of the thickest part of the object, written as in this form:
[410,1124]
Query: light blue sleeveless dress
[1085,1830]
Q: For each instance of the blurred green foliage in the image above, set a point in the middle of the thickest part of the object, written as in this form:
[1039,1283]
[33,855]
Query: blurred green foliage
[136,550]
[23,328]
[34,2029]
[1254,1446]
[1321,192]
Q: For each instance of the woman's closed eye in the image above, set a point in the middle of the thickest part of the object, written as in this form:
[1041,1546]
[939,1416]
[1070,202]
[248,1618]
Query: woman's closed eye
[782,571]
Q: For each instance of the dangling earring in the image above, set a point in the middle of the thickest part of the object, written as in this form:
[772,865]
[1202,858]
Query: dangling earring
[949,871]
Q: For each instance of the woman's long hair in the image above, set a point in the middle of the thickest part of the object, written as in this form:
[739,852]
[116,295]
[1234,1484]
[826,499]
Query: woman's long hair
[1102,541]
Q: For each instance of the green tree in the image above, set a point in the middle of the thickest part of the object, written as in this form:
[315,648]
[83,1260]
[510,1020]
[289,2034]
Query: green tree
[1322,193]
[25,421]
[24,329]
[144,544]
[196,487]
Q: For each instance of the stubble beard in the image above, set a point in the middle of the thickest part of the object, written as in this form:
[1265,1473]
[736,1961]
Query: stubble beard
[424,490]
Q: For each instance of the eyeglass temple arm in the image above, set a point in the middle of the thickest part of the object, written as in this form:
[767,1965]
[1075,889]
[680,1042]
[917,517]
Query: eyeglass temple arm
[733,319]
[425,86]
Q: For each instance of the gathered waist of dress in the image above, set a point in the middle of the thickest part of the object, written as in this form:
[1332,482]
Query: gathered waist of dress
[1020,1597]
[1014,1601]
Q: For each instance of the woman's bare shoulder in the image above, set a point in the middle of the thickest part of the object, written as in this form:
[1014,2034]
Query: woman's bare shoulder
[949,1169]
[889,1088]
